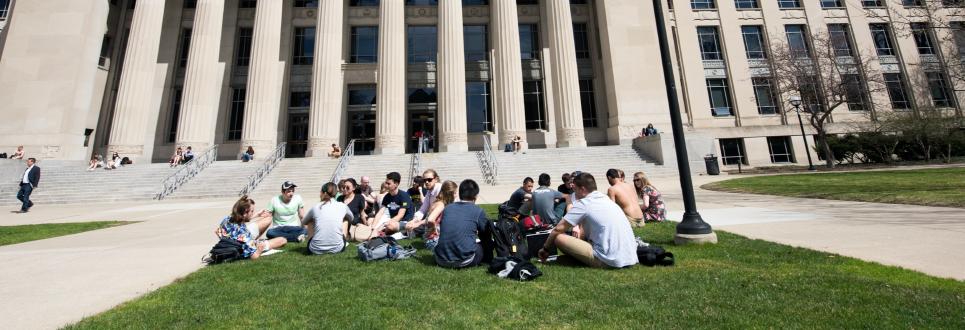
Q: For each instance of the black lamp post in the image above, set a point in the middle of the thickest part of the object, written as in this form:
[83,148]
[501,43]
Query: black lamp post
[692,228]
[796,102]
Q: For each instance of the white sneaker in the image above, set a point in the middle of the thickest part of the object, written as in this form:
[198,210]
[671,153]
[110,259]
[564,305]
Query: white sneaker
[301,238]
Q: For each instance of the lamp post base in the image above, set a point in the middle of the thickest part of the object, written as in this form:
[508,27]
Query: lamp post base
[683,239]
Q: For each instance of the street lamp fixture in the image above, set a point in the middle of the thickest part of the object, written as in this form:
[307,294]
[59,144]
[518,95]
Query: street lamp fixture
[795,101]
[692,228]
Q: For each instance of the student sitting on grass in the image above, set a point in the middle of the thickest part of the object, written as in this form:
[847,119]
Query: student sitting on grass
[610,239]
[286,210]
[396,207]
[465,237]
[238,226]
[328,222]
[445,196]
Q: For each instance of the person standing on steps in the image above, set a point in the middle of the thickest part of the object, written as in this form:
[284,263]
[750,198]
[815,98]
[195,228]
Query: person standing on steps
[29,182]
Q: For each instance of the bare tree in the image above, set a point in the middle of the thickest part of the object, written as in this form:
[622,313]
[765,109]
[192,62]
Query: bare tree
[938,29]
[828,73]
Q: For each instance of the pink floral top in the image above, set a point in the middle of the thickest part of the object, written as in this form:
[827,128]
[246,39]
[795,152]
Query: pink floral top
[657,211]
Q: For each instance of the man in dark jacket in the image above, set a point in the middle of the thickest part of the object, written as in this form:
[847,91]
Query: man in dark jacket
[465,235]
[29,181]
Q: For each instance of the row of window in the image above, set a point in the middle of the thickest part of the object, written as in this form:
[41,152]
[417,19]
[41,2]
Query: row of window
[421,41]
[791,4]
[375,3]
[732,151]
[940,90]
[798,40]
[479,117]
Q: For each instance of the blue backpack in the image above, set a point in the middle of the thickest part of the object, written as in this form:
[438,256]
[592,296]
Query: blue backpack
[383,248]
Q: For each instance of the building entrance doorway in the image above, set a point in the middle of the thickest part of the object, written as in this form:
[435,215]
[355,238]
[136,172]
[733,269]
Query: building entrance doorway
[361,127]
[297,142]
[421,123]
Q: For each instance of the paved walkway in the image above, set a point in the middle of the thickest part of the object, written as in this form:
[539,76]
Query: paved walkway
[54,282]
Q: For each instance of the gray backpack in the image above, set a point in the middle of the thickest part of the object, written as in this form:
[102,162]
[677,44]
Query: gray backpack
[383,248]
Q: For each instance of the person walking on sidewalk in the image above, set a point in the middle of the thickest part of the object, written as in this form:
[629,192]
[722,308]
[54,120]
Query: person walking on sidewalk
[29,182]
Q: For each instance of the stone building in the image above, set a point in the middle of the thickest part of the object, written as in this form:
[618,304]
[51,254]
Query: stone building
[143,77]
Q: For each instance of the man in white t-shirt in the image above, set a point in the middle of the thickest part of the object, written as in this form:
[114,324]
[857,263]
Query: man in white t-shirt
[611,242]
[287,210]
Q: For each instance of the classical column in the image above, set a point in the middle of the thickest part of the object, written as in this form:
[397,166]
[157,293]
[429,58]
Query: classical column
[451,79]
[326,114]
[565,79]
[203,77]
[265,76]
[390,94]
[134,95]
[508,71]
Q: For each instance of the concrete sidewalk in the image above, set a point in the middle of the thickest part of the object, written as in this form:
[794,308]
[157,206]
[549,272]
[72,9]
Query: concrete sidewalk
[54,282]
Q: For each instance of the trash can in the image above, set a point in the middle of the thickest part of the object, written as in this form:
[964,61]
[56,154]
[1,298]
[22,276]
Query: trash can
[712,167]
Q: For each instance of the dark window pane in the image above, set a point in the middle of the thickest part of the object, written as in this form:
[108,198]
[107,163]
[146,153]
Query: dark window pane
[753,42]
[305,3]
[881,36]
[365,44]
[175,114]
[588,103]
[364,3]
[243,54]
[422,95]
[732,151]
[581,40]
[421,2]
[304,46]
[923,38]
[534,105]
[840,39]
[703,4]
[746,4]
[421,44]
[896,91]
[789,3]
[831,4]
[709,43]
[764,93]
[780,148]
[185,47]
[529,41]
[237,115]
[300,99]
[719,94]
[797,40]
[248,3]
[475,2]
[478,107]
[476,43]
[361,95]
[941,94]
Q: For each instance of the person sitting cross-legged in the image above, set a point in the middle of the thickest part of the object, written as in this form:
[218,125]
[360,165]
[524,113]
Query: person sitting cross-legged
[396,209]
[465,234]
[286,211]
[610,244]
[329,222]
[238,226]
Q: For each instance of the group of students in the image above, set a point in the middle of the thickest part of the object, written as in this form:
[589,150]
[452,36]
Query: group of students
[588,225]
[182,156]
[97,161]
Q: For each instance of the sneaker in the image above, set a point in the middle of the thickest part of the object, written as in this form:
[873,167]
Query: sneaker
[640,242]
[301,238]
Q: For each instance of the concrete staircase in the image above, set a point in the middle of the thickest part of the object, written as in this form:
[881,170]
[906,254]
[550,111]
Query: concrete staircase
[218,180]
[69,182]
[308,173]
[513,168]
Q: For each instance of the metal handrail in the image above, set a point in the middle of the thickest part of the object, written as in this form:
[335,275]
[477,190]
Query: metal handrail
[254,179]
[347,153]
[416,162]
[187,171]
[487,161]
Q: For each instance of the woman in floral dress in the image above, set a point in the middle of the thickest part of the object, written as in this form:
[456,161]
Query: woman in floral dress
[651,202]
[238,226]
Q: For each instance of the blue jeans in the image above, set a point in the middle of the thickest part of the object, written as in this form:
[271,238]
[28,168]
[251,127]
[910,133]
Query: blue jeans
[246,157]
[24,196]
[290,233]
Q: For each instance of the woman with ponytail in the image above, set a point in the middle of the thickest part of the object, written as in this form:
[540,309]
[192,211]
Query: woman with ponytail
[328,222]
[238,226]
[447,195]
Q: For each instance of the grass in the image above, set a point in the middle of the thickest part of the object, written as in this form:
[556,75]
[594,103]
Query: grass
[738,283]
[933,187]
[25,233]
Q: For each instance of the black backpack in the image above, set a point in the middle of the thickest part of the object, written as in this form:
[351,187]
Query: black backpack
[226,250]
[508,235]
[654,256]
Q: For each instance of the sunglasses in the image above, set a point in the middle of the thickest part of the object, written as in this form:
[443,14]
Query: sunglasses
[346,187]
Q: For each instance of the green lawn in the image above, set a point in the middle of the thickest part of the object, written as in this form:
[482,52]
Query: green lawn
[935,187]
[738,283]
[25,233]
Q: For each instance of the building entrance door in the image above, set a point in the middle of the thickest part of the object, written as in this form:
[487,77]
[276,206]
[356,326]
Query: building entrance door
[361,127]
[421,123]
[297,143]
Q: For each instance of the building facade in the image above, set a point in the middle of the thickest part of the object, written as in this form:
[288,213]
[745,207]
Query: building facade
[143,77]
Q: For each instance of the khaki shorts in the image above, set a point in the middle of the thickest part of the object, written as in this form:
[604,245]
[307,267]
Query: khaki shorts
[635,223]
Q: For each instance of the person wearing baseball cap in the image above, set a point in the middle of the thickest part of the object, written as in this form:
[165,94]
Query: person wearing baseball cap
[287,211]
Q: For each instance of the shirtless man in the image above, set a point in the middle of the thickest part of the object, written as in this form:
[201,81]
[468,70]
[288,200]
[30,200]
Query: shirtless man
[625,195]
